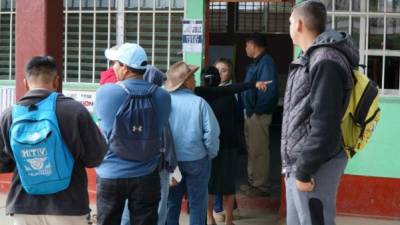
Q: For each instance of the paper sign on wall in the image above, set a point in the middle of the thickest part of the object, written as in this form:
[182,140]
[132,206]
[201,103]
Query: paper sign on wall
[192,36]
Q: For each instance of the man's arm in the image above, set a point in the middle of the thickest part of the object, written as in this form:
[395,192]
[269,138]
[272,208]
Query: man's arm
[327,105]
[224,90]
[7,164]
[93,142]
[211,130]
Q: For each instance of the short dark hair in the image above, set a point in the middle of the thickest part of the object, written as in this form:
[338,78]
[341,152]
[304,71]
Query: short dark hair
[313,14]
[42,68]
[133,70]
[258,39]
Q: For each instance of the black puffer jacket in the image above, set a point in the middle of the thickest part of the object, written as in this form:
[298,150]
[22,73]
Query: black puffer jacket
[316,92]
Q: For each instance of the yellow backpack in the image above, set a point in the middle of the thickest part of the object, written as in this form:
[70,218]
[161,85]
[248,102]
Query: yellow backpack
[362,114]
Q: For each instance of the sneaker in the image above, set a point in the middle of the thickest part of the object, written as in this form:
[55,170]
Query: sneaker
[253,192]
[219,216]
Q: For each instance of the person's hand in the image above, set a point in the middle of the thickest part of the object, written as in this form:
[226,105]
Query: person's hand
[173,182]
[305,186]
[262,85]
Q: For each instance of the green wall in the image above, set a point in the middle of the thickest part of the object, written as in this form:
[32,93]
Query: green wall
[194,9]
[381,157]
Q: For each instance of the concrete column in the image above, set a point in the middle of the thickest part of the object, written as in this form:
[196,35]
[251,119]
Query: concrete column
[120,22]
[39,30]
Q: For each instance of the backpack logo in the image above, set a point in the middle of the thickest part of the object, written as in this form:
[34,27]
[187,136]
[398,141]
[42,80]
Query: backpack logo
[38,164]
[43,161]
[136,133]
[137,128]
[362,114]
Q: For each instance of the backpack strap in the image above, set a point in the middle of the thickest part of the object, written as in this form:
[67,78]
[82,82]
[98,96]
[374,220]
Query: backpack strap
[150,91]
[51,102]
[51,99]
[123,86]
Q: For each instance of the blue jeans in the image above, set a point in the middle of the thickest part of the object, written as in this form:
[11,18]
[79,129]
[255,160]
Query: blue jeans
[218,203]
[142,193]
[195,175]
[162,205]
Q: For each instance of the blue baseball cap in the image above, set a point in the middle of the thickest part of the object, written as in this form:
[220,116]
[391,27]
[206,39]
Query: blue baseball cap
[129,54]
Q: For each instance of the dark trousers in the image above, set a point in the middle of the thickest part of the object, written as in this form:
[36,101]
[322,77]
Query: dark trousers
[142,193]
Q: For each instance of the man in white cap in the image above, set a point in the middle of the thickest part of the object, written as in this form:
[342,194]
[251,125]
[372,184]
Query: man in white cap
[124,173]
[196,136]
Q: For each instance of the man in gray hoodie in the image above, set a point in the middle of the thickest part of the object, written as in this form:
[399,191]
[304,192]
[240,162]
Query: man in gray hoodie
[317,91]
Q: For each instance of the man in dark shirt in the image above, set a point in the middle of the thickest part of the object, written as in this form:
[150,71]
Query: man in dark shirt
[81,136]
[259,107]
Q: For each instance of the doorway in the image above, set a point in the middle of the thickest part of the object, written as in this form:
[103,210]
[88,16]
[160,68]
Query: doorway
[228,24]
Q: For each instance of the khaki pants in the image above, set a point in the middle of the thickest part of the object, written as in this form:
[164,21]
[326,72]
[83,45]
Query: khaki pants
[256,131]
[25,219]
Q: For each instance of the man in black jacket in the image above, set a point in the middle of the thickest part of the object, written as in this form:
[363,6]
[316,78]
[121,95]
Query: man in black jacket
[81,136]
[317,90]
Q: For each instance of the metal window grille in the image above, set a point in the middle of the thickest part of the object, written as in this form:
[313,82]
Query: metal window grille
[250,17]
[7,39]
[267,17]
[374,26]
[91,28]
[278,16]
[218,17]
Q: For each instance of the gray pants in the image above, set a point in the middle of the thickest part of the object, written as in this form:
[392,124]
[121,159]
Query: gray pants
[319,206]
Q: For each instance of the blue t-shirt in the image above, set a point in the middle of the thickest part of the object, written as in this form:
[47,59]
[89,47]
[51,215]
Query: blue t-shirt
[109,98]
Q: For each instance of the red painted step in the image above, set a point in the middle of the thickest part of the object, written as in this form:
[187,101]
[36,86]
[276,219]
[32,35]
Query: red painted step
[374,197]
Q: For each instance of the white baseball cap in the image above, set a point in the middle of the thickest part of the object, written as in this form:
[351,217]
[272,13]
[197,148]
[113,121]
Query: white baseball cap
[130,54]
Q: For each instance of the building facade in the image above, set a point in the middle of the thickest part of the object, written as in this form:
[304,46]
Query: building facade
[370,186]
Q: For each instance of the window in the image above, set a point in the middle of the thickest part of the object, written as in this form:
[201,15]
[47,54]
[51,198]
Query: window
[375,37]
[250,17]
[278,14]
[392,71]
[218,17]
[376,5]
[154,24]
[393,33]
[393,6]
[86,35]
[269,17]
[7,40]
[374,26]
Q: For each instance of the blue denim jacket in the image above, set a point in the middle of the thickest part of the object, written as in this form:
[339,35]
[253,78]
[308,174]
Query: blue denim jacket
[194,126]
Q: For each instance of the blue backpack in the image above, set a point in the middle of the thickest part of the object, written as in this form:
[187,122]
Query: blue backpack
[43,160]
[136,132]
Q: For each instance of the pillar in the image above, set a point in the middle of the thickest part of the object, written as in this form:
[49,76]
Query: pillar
[39,30]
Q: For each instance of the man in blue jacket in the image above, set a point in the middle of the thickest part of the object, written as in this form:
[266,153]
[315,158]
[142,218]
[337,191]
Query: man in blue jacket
[259,107]
[196,132]
[120,179]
